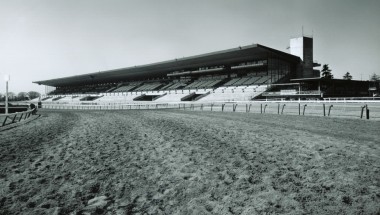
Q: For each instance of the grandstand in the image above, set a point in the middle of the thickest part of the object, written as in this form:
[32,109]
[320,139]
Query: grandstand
[242,73]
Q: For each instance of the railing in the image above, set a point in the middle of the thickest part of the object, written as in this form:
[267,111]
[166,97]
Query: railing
[367,109]
[16,117]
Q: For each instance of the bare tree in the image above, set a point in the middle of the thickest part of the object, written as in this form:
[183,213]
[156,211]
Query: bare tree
[22,96]
[11,96]
[33,94]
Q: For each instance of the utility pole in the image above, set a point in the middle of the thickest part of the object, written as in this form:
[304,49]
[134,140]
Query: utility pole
[6,78]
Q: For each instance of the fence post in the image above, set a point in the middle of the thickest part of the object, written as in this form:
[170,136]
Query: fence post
[234,107]
[361,115]
[20,117]
[367,111]
[202,107]
[5,120]
[265,107]
[304,107]
[261,108]
[283,106]
[14,118]
[249,108]
[330,109]
[324,110]
[278,108]
[299,108]
[212,106]
[223,107]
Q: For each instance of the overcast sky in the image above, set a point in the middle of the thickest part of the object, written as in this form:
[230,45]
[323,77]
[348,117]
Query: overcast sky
[46,39]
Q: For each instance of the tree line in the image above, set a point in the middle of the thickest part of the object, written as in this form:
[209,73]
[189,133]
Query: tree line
[327,74]
[21,96]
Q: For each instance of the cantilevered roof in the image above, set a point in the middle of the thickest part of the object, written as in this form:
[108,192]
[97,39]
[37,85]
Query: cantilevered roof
[161,69]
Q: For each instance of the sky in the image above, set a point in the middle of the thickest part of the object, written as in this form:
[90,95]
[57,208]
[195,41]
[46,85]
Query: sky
[47,39]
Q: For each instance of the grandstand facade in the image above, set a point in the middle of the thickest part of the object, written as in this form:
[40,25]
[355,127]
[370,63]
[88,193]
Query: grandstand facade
[237,74]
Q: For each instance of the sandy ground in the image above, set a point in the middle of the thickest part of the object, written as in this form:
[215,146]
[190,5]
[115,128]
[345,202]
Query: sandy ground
[184,162]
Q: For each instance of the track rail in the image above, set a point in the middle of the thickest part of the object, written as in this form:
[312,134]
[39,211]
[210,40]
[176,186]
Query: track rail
[16,117]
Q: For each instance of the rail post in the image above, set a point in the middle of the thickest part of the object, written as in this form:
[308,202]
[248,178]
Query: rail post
[304,107]
[14,118]
[249,108]
[299,108]
[324,110]
[367,111]
[265,107]
[20,117]
[212,106]
[202,107]
[223,107]
[330,109]
[5,120]
[234,107]
[261,108]
[246,108]
[361,115]
[283,106]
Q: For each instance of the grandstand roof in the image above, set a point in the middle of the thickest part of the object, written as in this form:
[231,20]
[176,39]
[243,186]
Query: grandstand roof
[160,69]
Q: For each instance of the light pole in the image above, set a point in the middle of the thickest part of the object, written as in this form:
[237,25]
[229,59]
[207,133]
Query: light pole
[6,78]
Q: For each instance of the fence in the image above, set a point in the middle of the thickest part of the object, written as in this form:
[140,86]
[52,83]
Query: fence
[359,109]
[16,117]
[347,110]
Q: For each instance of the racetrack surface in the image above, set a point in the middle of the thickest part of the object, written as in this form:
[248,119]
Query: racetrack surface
[184,162]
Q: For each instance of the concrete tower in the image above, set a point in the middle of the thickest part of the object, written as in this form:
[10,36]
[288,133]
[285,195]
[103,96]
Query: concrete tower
[303,48]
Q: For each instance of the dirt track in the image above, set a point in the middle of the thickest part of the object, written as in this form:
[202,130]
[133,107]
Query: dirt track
[177,162]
